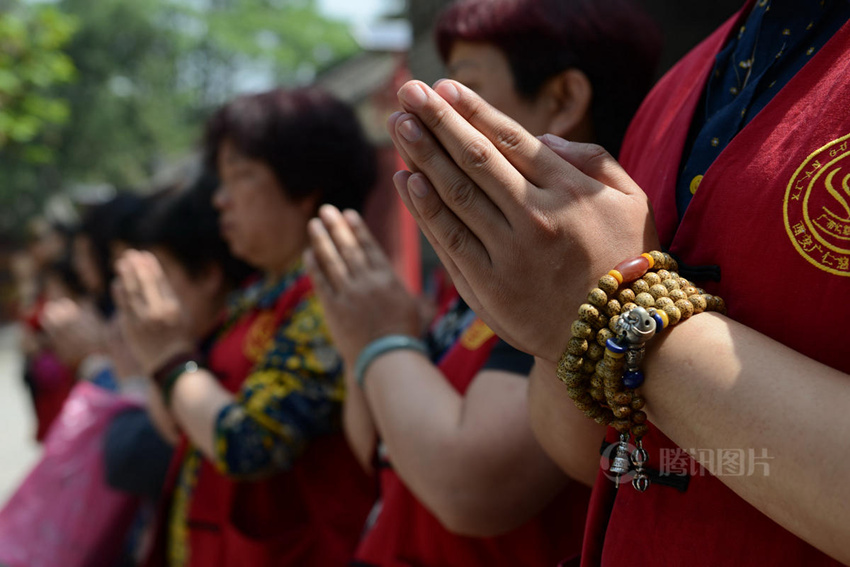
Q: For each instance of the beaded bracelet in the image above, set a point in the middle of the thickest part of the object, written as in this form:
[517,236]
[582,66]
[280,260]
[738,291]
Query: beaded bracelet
[601,365]
[381,346]
[166,376]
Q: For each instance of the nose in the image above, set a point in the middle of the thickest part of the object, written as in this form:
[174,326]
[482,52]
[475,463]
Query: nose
[220,198]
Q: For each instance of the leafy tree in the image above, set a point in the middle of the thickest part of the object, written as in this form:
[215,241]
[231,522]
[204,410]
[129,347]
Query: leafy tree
[148,75]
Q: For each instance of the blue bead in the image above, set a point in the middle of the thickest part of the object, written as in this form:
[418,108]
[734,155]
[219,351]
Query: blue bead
[614,346]
[659,323]
[633,379]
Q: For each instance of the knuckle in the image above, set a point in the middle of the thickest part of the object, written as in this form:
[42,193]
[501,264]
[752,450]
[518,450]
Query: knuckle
[461,193]
[456,240]
[475,155]
[507,137]
[596,155]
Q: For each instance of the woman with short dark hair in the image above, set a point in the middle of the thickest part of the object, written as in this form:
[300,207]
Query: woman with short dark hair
[265,478]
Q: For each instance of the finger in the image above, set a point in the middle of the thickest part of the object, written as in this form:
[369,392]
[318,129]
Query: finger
[375,256]
[321,285]
[391,124]
[455,188]
[119,295]
[518,146]
[127,270]
[344,240]
[462,255]
[592,160]
[327,257]
[497,154]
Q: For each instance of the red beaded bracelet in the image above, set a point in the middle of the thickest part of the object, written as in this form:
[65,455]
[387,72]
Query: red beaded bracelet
[601,365]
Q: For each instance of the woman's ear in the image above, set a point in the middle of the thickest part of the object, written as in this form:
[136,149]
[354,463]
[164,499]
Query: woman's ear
[570,95]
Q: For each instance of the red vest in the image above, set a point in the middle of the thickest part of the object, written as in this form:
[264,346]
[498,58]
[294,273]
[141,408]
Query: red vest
[309,516]
[406,534]
[768,213]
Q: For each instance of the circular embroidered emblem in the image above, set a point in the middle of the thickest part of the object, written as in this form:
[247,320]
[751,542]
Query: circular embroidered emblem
[817,208]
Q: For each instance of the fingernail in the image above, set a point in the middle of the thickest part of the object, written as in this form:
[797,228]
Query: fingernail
[554,142]
[418,186]
[409,130]
[447,90]
[413,96]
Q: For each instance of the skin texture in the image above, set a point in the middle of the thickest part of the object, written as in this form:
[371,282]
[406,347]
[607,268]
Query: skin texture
[580,213]
[493,474]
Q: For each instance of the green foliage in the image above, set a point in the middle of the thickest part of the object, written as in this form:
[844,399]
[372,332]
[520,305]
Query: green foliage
[148,73]
[31,63]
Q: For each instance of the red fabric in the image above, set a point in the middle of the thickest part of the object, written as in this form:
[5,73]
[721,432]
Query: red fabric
[406,534]
[751,202]
[311,515]
[53,383]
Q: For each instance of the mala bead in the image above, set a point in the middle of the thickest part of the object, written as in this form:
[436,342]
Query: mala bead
[588,313]
[621,425]
[622,412]
[658,259]
[671,284]
[677,294]
[639,286]
[686,308]
[658,291]
[572,379]
[612,323]
[597,297]
[625,296]
[673,313]
[572,363]
[601,321]
[651,278]
[603,336]
[640,430]
[720,305]
[671,264]
[575,392]
[639,416]
[645,300]
[584,402]
[663,302]
[577,346]
[629,306]
[624,398]
[663,274]
[595,351]
[581,330]
[689,290]
[632,269]
[699,303]
[612,308]
[608,284]
[597,394]
[588,367]
[596,381]
[633,379]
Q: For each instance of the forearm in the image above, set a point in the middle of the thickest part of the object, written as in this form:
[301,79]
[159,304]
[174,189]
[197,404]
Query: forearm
[196,401]
[713,384]
[568,437]
[471,459]
[358,426]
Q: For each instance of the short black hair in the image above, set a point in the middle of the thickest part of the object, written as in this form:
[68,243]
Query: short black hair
[183,221]
[312,141]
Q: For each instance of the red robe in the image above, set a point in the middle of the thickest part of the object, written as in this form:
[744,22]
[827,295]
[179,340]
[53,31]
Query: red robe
[308,516]
[406,534]
[771,212]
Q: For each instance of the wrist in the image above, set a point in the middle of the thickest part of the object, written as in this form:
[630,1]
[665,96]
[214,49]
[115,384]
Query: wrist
[380,347]
[166,376]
